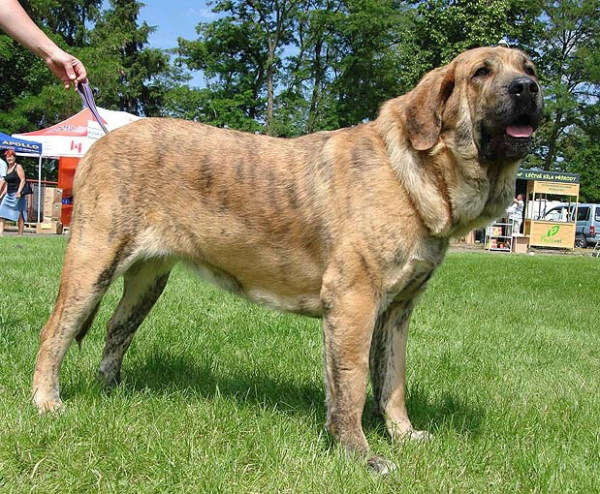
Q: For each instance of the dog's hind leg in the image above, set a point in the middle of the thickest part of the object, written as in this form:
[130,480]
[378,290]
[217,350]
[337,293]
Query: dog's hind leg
[144,283]
[87,273]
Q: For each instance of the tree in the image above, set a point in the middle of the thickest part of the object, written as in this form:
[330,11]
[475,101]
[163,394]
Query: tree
[275,17]
[580,148]
[67,18]
[371,53]
[240,56]
[233,60]
[570,62]
[306,102]
[129,75]
[30,96]
[351,58]
[444,28]
[298,66]
[289,67]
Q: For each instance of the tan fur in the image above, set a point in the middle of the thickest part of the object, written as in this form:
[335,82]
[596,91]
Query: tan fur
[348,225]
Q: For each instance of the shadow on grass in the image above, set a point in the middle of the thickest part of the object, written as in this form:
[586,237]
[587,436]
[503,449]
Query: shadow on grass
[443,412]
[432,415]
[167,373]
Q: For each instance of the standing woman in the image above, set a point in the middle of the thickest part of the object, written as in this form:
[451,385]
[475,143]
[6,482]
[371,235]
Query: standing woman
[14,205]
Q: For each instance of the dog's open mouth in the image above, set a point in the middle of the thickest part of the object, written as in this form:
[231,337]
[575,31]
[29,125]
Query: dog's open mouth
[520,129]
[509,141]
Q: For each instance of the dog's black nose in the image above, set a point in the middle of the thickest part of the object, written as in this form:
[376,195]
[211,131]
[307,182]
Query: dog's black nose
[523,86]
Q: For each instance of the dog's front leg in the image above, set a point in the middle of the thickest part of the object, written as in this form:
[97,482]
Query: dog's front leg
[388,370]
[348,319]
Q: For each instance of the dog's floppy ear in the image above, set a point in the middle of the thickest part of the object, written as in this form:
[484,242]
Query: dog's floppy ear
[425,106]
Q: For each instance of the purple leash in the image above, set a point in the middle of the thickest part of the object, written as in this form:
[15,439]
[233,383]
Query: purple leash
[88,99]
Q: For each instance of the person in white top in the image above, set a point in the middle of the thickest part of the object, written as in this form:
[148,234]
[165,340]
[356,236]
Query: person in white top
[515,213]
[15,22]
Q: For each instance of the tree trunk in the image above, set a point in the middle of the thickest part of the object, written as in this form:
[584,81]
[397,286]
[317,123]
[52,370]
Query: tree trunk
[270,89]
[556,128]
[312,117]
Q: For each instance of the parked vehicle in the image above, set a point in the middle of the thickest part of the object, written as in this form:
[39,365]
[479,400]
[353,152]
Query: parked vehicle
[587,231]
[588,225]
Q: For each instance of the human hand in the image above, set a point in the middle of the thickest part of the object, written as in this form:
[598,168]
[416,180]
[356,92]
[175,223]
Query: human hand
[67,68]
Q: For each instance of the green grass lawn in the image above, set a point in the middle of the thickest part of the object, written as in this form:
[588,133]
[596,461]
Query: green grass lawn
[222,396]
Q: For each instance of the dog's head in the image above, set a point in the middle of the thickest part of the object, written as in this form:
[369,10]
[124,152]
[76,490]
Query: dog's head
[488,99]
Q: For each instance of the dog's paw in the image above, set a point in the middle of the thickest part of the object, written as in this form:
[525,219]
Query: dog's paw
[399,432]
[410,435]
[413,435]
[419,436]
[48,406]
[380,465]
[109,380]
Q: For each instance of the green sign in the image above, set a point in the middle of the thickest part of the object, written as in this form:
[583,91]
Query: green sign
[549,237]
[540,175]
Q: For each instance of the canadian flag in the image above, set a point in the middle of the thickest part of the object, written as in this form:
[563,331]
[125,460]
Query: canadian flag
[76,146]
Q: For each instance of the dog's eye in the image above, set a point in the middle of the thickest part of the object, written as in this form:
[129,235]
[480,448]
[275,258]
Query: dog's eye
[481,72]
[529,70]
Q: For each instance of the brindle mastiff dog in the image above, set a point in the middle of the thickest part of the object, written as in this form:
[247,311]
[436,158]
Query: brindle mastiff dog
[347,225]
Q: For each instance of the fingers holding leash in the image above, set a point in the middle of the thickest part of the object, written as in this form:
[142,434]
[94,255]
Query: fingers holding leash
[67,68]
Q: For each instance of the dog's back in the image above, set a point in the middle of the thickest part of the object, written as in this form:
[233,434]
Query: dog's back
[254,214]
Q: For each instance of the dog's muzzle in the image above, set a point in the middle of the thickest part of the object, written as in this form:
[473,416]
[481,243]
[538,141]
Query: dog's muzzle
[507,134]
[525,96]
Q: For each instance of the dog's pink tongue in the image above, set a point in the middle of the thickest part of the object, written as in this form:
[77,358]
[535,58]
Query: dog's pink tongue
[519,130]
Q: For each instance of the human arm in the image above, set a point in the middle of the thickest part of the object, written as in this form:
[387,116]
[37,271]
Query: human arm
[17,24]
[21,175]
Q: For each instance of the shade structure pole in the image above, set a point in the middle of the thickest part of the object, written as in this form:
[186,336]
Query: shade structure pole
[39,189]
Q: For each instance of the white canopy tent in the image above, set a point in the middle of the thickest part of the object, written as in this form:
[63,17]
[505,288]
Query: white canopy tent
[73,136]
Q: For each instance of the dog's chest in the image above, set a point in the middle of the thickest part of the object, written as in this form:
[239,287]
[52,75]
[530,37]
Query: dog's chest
[406,279]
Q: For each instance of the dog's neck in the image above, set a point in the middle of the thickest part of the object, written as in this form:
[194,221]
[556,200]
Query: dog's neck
[473,194]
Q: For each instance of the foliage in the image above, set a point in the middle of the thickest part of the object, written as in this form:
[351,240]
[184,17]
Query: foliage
[126,73]
[131,77]
[30,96]
[331,65]
[569,55]
[582,155]
[368,64]
[234,54]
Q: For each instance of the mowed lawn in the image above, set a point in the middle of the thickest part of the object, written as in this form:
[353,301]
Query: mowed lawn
[219,395]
